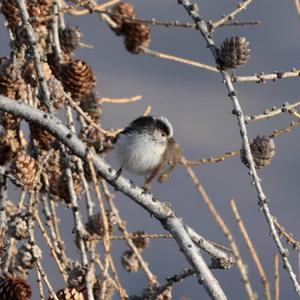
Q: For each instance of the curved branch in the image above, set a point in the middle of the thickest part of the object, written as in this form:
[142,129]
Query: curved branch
[169,220]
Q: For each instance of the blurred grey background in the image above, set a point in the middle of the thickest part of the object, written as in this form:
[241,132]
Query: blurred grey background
[196,102]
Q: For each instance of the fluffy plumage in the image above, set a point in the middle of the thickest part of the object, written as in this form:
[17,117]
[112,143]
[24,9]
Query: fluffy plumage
[142,146]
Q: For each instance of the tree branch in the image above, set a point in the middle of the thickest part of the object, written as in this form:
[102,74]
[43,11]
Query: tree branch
[166,216]
[201,25]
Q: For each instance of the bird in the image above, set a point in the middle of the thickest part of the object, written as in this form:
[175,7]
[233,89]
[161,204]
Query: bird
[145,146]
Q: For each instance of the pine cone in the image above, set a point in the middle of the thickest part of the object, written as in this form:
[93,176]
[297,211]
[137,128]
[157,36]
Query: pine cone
[27,255]
[39,10]
[91,106]
[14,288]
[43,138]
[57,93]
[13,87]
[263,151]
[123,9]
[137,35]
[10,9]
[78,79]
[140,241]
[109,291]
[17,226]
[69,294]
[8,121]
[152,288]
[166,295]
[130,262]
[10,145]
[24,168]
[234,52]
[69,38]
[29,73]
[58,183]
[76,273]
[95,226]
[55,66]
[10,84]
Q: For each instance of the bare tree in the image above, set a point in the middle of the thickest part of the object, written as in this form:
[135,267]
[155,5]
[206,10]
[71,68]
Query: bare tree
[55,161]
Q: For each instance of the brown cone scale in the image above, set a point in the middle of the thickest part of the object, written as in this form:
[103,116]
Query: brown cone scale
[14,288]
[137,35]
[78,79]
[123,9]
[24,168]
[69,294]
[10,9]
[234,52]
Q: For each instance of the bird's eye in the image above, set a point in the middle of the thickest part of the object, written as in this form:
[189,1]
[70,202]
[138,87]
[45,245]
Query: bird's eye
[163,134]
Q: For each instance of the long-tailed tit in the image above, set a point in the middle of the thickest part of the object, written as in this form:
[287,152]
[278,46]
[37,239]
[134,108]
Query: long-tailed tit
[145,146]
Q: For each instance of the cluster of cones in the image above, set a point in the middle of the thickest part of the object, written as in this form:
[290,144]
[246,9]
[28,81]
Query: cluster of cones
[136,34]
[68,77]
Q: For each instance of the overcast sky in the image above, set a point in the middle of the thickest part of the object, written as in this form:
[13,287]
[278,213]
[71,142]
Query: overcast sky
[196,103]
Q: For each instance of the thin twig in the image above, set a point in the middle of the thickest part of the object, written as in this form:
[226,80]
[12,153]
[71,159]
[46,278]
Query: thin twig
[32,207]
[214,159]
[119,100]
[43,274]
[262,78]
[87,118]
[297,4]
[284,130]
[121,224]
[240,264]
[80,231]
[170,281]
[166,56]
[51,225]
[276,277]
[147,110]
[241,23]
[221,158]
[74,12]
[272,112]
[49,243]
[40,284]
[166,216]
[3,200]
[229,17]
[232,93]
[288,236]
[251,248]
[35,53]
[153,22]
[88,198]
[216,251]
[295,113]
[104,218]
[134,236]
[55,31]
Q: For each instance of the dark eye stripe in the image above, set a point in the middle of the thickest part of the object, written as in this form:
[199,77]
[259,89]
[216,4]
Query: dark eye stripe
[162,126]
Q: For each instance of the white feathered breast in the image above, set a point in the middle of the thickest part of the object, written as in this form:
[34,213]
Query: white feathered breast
[138,153]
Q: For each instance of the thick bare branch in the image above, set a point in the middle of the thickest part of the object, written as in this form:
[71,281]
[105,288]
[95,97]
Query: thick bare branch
[166,216]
